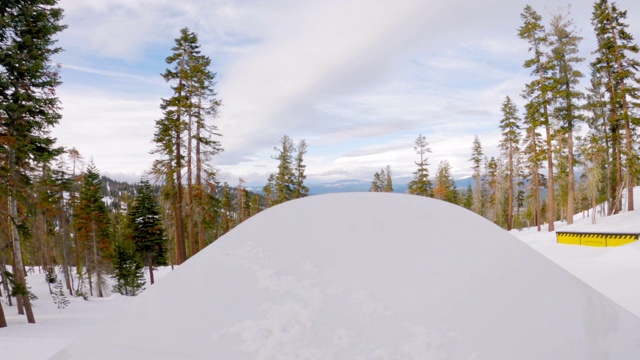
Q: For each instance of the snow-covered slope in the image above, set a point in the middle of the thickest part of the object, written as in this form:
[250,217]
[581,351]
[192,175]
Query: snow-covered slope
[613,271]
[363,276]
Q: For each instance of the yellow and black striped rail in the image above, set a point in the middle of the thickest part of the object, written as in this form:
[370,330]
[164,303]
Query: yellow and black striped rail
[595,239]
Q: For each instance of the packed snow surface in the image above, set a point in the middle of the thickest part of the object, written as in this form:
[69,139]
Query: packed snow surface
[366,276]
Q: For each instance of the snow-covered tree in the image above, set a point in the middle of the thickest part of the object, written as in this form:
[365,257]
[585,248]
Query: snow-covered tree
[59,297]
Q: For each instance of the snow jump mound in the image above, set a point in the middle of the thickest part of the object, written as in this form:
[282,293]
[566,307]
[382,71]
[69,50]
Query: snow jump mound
[366,276]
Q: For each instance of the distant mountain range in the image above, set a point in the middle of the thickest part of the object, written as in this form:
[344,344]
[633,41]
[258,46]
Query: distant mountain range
[400,185]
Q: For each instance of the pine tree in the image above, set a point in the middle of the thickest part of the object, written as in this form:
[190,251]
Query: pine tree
[421,184]
[444,183]
[227,213]
[599,133]
[170,132]
[467,198]
[510,146]
[284,177]
[201,143]
[59,297]
[537,91]
[388,183]
[567,98]
[299,189]
[382,181]
[269,191]
[493,174]
[476,160]
[617,66]
[28,107]
[534,155]
[145,229]
[127,270]
[242,201]
[91,223]
[376,183]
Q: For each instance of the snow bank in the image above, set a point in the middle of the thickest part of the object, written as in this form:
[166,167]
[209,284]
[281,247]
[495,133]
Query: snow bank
[363,276]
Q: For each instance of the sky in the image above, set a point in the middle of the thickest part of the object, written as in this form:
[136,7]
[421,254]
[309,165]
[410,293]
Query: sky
[358,80]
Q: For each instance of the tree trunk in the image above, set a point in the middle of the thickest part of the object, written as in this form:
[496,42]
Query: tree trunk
[96,265]
[199,188]
[18,270]
[65,257]
[571,185]
[615,204]
[151,279]
[3,320]
[551,215]
[594,206]
[571,180]
[191,227]
[630,163]
[510,205]
[89,277]
[181,251]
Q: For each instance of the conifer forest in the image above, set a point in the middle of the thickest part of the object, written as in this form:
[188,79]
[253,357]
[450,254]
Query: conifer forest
[572,146]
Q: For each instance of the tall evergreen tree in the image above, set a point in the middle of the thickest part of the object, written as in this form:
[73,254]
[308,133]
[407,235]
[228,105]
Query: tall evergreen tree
[537,91]
[493,176]
[269,191]
[183,138]
[145,229]
[91,223]
[567,98]
[170,132]
[477,155]
[28,107]
[421,184]
[201,143]
[388,183]
[510,146]
[284,180]
[599,133]
[617,65]
[299,188]
[377,184]
[382,181]
[534,156]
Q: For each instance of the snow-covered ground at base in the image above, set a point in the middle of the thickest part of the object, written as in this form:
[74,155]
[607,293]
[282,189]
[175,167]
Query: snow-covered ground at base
[55,328]
[614,271]
[303,300]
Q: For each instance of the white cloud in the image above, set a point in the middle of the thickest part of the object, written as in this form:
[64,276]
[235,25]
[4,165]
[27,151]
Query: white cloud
[351,77]
[116,132]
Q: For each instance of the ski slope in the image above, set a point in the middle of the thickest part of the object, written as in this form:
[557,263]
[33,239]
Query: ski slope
[370,276]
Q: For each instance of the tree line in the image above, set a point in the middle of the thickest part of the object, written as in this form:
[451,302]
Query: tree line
[60,216]
[541,146]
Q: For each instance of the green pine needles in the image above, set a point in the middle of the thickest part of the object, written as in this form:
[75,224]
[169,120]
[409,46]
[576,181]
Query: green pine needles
[127,271]
[146,232]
